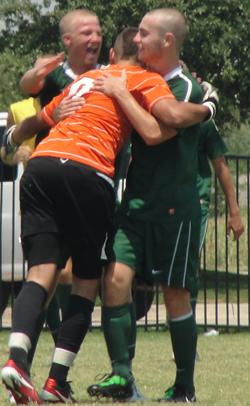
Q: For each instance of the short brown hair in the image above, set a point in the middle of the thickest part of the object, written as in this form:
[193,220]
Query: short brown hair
[124,46]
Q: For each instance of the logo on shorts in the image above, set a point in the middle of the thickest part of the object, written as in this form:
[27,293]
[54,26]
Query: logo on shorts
[63,160]
[171,211]
[156,271]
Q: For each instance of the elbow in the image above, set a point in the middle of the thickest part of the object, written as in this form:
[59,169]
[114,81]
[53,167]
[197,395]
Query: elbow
[153,139]
[24,88]
[150,141]
[177,121]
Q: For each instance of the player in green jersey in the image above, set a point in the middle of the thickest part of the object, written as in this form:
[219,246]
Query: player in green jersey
[82,38]
[159,223]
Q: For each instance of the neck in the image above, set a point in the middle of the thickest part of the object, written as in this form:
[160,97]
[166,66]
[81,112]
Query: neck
[79,67]
[165,64]
[126,62]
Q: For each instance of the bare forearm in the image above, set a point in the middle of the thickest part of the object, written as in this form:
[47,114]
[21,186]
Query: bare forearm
[226,183]
[223,173]
[32,81]
[180,114]
[27,128]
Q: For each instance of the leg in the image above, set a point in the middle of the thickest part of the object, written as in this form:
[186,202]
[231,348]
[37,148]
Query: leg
[65,286]
[184,340]
[117,321]
[5,291]
[28,308]
[59,302]
[71,334]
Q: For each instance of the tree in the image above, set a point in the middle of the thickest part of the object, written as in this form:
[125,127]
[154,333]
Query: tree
[217,47]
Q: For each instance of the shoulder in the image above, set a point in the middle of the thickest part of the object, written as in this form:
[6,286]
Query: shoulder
[186,88]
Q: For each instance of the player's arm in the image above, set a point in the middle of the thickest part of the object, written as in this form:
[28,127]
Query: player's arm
[183,114]
[222,171]
[14,136]
[171,113]
[33,80]
[152,131]
[23,153]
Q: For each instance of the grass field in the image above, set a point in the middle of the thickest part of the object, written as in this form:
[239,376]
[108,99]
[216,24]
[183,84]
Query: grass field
[222,374]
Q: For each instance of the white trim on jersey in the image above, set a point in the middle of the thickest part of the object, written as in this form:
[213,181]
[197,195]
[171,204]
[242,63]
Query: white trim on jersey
[189,84]
[179,72]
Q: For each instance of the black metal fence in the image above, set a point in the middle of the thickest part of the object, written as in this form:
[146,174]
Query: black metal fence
[224,298]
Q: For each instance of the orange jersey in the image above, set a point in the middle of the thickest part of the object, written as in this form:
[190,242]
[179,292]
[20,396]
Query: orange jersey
[94,134]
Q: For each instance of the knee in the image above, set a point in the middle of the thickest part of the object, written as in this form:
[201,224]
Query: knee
[177,301]
[117,285]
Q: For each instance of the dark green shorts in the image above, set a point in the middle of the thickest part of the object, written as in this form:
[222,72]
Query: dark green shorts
[160,253]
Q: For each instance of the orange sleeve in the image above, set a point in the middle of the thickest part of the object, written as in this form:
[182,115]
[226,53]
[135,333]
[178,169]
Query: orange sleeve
[47,111]
[153,89]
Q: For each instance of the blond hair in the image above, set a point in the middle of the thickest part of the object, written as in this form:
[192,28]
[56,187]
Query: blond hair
[68,20]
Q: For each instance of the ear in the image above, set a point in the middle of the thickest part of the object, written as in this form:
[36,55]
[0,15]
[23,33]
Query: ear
[111,56]
[66,39]
[169,39]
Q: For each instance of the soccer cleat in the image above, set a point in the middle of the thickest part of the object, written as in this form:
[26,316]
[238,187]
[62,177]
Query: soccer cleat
[113,386]
[177,394]
[53,393]
[19,384]
[136,395]
[12,399]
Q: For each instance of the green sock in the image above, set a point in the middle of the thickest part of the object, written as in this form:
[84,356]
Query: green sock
[117,329]
[184,340]
[133,331]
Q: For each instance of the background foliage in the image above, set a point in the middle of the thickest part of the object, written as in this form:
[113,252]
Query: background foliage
[217,47]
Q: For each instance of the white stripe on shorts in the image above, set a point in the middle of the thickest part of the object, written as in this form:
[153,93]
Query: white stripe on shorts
[175,249]
[187,252]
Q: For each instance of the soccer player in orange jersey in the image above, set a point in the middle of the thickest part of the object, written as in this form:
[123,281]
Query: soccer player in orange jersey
[67,205]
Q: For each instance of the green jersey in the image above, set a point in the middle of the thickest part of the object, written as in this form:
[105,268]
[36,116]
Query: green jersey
[161,181]
[55,82]
[211,146]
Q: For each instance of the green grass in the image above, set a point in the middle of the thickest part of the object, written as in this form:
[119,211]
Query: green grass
[222,374]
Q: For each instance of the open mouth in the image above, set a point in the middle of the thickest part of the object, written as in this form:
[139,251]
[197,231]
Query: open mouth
[93,50]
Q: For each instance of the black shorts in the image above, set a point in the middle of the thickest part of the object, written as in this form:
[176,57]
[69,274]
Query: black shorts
[66,210]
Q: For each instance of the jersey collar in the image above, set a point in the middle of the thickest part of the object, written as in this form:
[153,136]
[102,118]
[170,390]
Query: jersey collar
[68,70]
[173,73]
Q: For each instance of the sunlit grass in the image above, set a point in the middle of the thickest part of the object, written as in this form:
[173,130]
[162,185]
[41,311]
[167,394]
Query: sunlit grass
[222,374]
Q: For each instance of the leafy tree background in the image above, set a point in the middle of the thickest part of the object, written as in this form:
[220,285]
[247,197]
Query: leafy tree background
[217,47]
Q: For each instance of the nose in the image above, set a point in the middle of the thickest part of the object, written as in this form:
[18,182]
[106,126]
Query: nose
[96,37]
[136,38]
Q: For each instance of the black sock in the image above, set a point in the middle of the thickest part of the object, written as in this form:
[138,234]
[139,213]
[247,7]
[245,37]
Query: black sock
[27,312]
[39,327]
[71,333]
[28,308]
